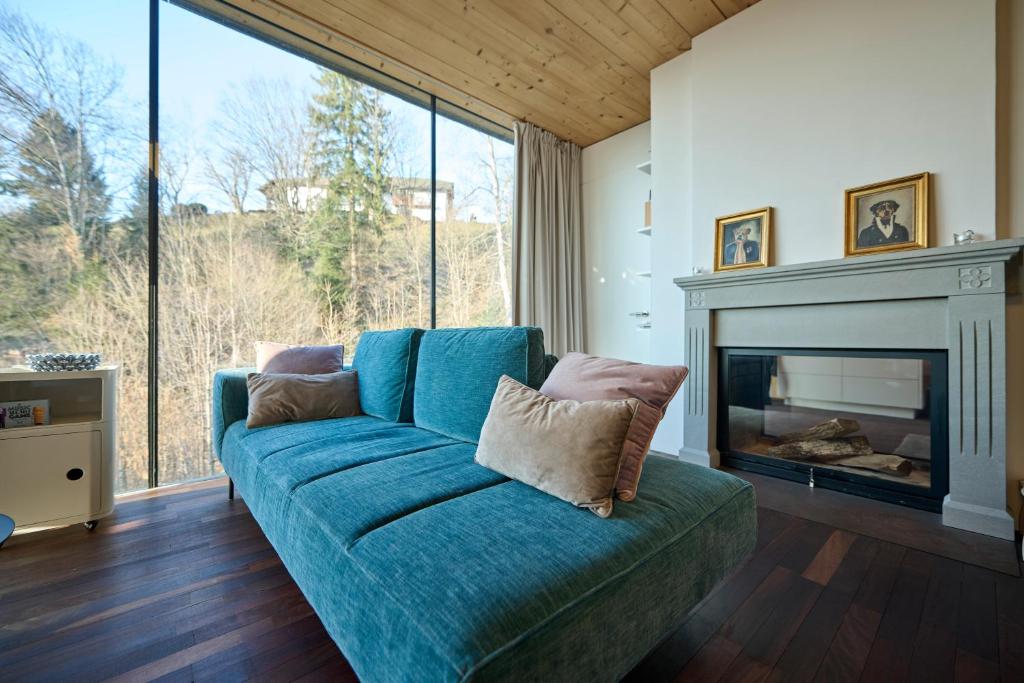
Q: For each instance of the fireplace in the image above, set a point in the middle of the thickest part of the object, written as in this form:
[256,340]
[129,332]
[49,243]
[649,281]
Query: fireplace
[869,422]
[944,308]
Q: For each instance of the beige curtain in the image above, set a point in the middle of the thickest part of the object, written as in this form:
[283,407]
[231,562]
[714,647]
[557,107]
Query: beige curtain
[547,249]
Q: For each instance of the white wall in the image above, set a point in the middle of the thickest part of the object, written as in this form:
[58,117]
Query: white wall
[796,100]
[790,102]
[614,253]
[671,252]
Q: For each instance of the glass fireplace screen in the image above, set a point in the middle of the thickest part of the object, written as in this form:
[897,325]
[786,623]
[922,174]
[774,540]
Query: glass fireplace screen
[872,422]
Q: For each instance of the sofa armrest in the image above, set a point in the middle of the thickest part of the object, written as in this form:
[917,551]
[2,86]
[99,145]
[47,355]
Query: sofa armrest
[230,402]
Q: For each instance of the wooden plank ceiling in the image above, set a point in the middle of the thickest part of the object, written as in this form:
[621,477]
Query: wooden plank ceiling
[578,68]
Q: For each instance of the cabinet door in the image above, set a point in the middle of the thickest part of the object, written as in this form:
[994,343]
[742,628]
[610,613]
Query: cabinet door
[49,478]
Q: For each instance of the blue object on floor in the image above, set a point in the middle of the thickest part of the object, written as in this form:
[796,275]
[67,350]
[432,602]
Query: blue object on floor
[424,566]
[6,529]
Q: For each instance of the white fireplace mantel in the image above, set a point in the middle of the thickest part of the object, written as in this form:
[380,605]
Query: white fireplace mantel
[946,298]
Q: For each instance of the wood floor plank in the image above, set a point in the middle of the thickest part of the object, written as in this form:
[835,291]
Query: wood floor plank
[897,631]
[845,658]
[711,661]
[828,559]
[764,647]
[808,648]
[973,669]
[977,625]
[934,649]
[181,585]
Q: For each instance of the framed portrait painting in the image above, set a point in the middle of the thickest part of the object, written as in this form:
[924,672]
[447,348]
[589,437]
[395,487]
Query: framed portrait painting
[743,240]
[887,216]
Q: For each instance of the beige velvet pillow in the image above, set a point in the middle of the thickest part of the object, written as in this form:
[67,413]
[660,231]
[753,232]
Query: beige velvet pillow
[566,448]
[277,398]
[581,377]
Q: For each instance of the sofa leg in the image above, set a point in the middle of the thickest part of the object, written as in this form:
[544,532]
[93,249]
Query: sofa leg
[231,489]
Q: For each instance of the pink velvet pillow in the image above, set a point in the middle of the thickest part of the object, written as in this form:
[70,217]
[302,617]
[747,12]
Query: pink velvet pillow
[277,358]
[580,377]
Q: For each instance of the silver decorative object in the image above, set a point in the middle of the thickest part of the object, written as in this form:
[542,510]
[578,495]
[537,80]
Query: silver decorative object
[966,237]
[62,362]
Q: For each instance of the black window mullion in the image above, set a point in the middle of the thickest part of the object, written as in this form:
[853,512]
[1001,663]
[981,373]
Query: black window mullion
[433,211]
[153,229]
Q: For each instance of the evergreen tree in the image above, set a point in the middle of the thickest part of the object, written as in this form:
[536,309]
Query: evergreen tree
[352,130]
[133,228]
[58,174]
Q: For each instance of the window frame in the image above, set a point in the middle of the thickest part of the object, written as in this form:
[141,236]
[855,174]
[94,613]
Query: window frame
[260,29]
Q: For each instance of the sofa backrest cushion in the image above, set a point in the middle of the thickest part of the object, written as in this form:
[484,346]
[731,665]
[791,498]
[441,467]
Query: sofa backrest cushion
[458,371]
[386,363]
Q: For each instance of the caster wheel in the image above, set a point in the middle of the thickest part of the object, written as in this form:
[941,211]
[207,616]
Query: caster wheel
[91,525]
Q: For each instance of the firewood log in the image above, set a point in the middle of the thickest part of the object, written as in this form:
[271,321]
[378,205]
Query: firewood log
[830,429]
[879,462]
[823,450]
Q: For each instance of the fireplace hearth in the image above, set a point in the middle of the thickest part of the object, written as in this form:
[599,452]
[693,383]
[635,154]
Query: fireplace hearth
[867,422]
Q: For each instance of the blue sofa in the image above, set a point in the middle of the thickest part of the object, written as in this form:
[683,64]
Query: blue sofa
[424,566]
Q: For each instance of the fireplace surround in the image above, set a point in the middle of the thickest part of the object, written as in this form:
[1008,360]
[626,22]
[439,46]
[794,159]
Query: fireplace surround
[945,299]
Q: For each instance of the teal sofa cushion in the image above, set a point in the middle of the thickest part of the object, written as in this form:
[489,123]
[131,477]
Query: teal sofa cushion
[424,566]
[269,465]
[386,363]
[458,371]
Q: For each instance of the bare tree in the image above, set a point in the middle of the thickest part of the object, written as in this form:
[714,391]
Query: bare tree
[55,104]
[267,121]
[231,175]
[498,189]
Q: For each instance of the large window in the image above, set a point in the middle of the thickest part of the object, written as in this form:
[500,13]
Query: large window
[296,204]
[474,227]
[73,129]
[290,211]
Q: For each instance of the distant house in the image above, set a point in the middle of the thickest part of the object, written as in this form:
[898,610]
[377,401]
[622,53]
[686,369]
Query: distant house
[408,196]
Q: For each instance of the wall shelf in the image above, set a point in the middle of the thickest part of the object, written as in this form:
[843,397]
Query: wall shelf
[644,273]
[644,167]
[644,231]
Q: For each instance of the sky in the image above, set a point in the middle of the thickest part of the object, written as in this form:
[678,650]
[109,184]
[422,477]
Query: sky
[200,60]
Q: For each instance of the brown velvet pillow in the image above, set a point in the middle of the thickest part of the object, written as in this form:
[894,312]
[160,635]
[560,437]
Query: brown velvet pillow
[277,398]
[566,448]
[299,360]
[581,377]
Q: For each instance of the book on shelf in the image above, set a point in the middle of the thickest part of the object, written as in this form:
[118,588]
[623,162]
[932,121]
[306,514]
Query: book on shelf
[24,413]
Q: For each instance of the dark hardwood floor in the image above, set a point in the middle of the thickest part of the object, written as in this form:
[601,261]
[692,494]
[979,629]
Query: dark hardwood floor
[180,585]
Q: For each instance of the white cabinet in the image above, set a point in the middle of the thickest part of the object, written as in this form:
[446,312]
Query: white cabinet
[878,386]
[61,473]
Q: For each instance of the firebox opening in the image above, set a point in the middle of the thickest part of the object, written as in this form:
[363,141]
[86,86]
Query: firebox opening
[868,422]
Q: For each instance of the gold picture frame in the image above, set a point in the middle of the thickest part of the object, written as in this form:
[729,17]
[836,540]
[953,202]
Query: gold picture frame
[749,230]
[874,214]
